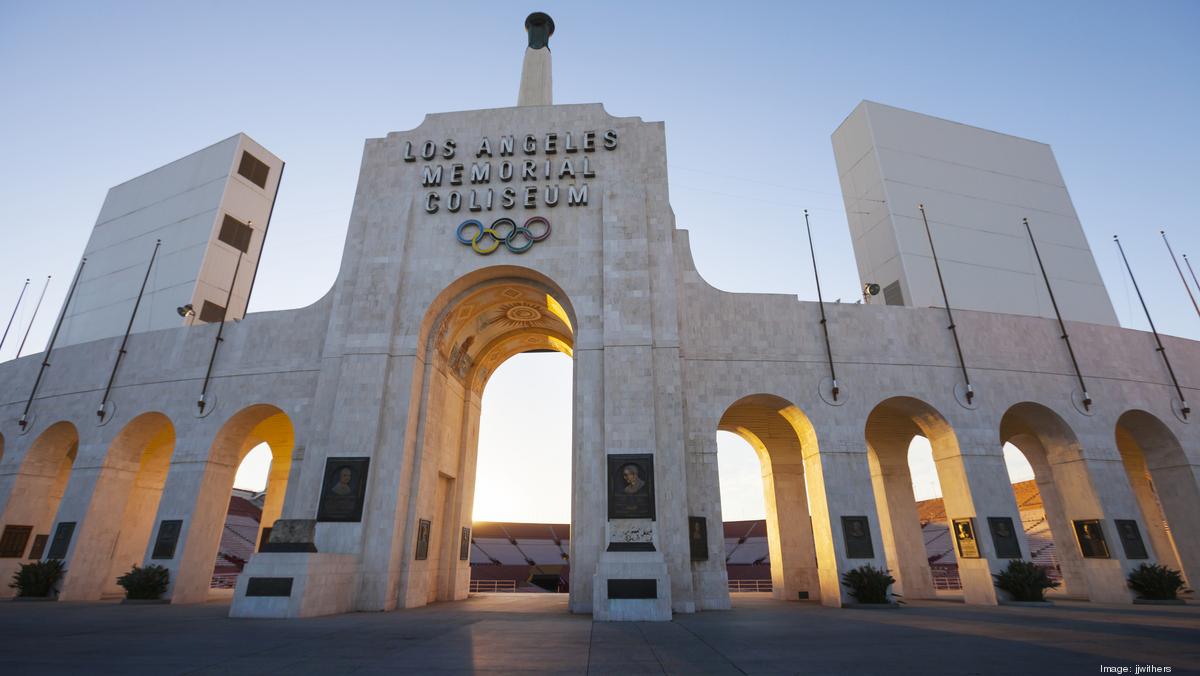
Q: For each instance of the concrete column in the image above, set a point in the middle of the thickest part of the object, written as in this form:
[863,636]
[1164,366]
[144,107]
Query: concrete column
[95,501]
[899,522]
[789,533]
[839,481]
[710,578]
[974,481]
[197,492]
[1061,529]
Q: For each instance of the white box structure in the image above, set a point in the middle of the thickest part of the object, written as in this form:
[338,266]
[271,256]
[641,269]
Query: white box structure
[208,208]
[976,186]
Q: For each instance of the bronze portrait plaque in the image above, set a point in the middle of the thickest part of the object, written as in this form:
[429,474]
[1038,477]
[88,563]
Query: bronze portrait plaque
[168,539]
[344,489]
[1004,537]
[964,535]
[1091,539]
[13,541]
[698,537]
[1131,539]
[423,530]
[631,486]
[464,545]
[856,531]
[62,540]
[39,546]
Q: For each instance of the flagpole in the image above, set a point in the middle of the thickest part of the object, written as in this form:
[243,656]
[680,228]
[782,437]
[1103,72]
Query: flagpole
[1062,327]
[946,300]
[37,306]
[821,304]
[1160,349]
[24,420]
[1180,271]
[14,313]
[129,328]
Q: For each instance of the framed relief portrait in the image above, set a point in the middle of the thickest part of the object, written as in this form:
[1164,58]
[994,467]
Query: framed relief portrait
[631,486]
[344,489]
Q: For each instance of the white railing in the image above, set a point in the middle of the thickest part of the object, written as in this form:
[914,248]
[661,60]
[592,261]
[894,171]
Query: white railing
[946,582]
[750,586]
[224,581]
[492,586]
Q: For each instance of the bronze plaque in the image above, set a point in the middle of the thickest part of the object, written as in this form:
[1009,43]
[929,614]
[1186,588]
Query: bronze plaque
[464,545]
[631,486]
[344,489]
[423,530]
[856,531]
[698,537]
[1091,539]
[269,586]
[62,540]
[633,588]
[167,540]
[1004,537]
[1131,539]
[13,541]
[39,546]
[964,535]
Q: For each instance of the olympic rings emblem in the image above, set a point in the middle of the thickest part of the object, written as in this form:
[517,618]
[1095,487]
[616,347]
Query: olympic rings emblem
[516,238]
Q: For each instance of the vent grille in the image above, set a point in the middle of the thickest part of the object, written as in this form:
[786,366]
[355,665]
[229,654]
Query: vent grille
[892,295]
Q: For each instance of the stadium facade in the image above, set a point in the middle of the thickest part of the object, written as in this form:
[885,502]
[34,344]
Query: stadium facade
[483,234]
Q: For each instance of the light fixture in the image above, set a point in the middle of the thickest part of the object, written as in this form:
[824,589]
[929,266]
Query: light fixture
[186,311]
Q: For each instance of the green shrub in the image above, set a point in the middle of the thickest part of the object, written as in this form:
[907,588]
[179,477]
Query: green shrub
[145,583]
[1025,581]
[1155,582]
[868,584]
[37,579]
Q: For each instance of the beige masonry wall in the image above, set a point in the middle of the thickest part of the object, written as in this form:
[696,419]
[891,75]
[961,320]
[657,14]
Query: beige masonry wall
[660,358]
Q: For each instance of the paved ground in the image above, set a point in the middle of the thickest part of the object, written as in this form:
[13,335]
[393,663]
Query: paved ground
[534,634]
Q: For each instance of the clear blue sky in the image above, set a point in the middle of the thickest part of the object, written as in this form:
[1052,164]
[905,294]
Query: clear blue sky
[96,93]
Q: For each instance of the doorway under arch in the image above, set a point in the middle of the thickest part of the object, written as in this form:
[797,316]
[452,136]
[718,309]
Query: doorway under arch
[474,326]
[778,430]
[1166,487]
[37,491]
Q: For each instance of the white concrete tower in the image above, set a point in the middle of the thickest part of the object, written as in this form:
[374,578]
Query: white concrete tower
[536,84]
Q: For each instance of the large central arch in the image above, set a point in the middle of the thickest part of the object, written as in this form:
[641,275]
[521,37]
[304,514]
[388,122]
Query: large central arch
[474,326]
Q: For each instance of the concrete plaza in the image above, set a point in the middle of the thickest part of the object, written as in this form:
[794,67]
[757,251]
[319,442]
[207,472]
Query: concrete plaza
[518,633]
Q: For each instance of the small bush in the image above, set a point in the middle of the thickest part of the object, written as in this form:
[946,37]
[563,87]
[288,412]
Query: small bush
[1155,582]
[145,583]
[37,579]
[1025,581]
[868,584]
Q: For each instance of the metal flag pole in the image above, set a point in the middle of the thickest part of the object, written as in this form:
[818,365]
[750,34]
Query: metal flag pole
[821,304]
[14,313]
[1189,267]
[212,358]
[946,299]
[125,341]
[1062,327]
[50,347]
[1160,349]
[1180,271]
[37,306]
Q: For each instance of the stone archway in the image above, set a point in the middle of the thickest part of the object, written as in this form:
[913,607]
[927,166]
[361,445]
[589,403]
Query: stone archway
[119,516]
[210,482]
[1166,487]
[1063,483]
[968,483]
[473,327]
[37,489]
[778,431]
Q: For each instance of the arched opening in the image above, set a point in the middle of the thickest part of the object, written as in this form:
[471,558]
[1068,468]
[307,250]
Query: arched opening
[261,436]
[140,455]
[519,537]
[474,327]
[777,431]
[35,494]
[1034,434]
[1166,487]
[918,543]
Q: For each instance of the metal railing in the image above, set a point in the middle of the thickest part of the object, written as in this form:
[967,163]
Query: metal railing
[224,581]
[750,586]
[492,586]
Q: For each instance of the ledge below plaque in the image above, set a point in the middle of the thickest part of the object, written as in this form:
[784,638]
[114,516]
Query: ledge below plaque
[288,547]
[631,547]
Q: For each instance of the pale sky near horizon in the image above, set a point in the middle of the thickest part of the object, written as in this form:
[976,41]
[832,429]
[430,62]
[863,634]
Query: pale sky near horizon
[96,93]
